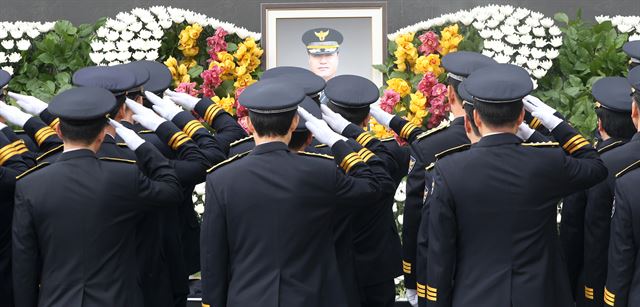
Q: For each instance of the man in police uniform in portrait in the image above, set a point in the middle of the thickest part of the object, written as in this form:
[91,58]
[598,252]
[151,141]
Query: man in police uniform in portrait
[323,45]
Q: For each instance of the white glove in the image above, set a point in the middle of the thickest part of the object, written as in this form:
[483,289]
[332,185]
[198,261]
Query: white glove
[320,129]
[335,120]
[412,297]
[165,107]
[29,104]
[542,111]
[13,114]
[184,100]
[146,117]
[524,131]
[380,115]
[130,137]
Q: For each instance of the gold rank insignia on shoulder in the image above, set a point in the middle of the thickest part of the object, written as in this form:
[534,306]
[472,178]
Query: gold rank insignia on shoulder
[117,160]
[231,159]
[542,144]
[122,144]
[50,152]
[240,141]
[452,150]
[388,139]
[433,131]
[145,131]
[627,169]
[32,170]
[321,146]
[610,146]
[430,166]
[317,155]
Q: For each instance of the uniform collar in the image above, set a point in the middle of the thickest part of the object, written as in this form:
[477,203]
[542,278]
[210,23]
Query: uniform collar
[269,147]
[608,142]
[75,154]
[458,121]
[498,139]
[108,139]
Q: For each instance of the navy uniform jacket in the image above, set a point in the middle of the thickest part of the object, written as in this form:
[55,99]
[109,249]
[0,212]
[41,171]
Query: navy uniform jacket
[72,235]
[423,152]
[598,220]
[492,226]
[376,243]
[11,165]
[623,277]
[572,229]
[267,233]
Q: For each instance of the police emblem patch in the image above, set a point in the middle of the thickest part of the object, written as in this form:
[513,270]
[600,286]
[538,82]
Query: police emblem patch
[412,163]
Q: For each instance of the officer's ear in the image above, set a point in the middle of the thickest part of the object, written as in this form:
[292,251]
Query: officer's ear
[635,113]
[58,131]
[250,125]
[520,118]
[294,123]
[477,119]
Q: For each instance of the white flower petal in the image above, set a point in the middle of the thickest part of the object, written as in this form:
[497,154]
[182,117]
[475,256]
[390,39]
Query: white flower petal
[546,22]
[552,54]
[23,44]
[96,57]
[539,31]
[8,69]
[14,57]
[7,44]
[555,31]
[501,58]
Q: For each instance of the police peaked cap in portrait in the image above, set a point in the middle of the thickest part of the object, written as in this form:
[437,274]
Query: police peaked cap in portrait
[322,41]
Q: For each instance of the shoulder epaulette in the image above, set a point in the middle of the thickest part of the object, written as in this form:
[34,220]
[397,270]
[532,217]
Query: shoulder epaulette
[122,144]
[542,144]
[627,169]
[313,154]
[19,131]
[117,160]
[452,150]
[31,170]
[391,138]
[610,146]
[433,131]
[225,162]
[145,131]
[240,141]
[321,146]
[48,153]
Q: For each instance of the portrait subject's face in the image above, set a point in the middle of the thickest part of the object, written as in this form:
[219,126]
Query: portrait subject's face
[324,65]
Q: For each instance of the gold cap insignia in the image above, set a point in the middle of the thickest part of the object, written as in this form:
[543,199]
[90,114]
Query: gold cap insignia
[321,35]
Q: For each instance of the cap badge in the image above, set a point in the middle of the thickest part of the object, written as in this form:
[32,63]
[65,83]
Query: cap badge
[321,35]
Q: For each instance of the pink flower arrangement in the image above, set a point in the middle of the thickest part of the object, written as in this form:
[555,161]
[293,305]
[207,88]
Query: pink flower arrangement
[389,100]
[427,83]
[438,108]
[430,43]
[244,123]
[211,80]
[216,43]
[189,88]
[439,90]
[241,111]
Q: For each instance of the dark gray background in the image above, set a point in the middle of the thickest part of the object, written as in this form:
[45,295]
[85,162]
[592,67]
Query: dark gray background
[247,13]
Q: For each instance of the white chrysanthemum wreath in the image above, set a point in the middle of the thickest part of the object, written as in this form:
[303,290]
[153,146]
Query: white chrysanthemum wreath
[16,37]
[137,35]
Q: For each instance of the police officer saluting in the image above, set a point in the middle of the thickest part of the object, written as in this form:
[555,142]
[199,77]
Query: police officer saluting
[495,243]
[269,241]
[72,242]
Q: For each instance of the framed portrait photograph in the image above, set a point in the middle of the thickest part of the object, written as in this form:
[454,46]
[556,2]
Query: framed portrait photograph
[327,38]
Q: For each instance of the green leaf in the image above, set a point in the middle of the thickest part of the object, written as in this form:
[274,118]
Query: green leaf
[63,78]
[231,47]
[562,17]
[399,74]
[195,71]
[381,68]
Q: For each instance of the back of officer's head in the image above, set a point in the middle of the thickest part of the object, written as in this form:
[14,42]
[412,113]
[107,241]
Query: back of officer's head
[83,114]
[614,107]
[357,116]
[496,92]
[82,132]
[501,115]
[272,124]
[299,139]
[272,106]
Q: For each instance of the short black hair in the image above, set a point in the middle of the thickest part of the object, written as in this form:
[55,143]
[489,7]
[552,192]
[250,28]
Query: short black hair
[499,115]
[298,138]
[84,132]
[354,115]
[272,124]
[468,110]
[120,99]
[616,124]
